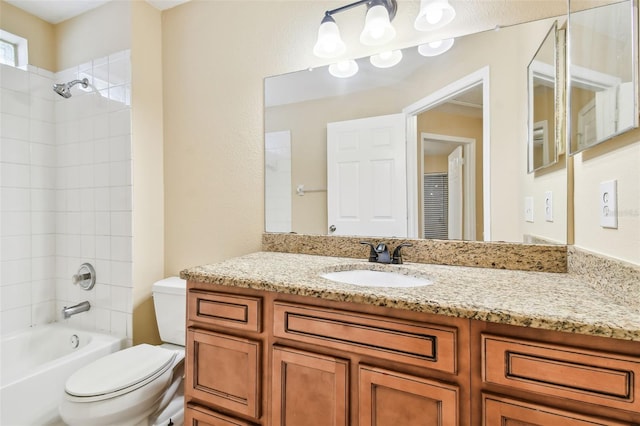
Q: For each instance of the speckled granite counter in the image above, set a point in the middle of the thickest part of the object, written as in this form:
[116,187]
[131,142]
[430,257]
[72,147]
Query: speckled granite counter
[549,301]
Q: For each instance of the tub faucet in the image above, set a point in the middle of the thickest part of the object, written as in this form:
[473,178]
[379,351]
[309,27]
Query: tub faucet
[67,312]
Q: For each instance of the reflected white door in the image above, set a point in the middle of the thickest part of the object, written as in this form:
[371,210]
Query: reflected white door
[455,194]
[366,176]
[277,181]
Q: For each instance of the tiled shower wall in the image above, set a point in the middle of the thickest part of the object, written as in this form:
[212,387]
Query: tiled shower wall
[87,188]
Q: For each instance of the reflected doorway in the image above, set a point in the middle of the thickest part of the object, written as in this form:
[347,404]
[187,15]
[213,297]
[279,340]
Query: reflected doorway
[451,163]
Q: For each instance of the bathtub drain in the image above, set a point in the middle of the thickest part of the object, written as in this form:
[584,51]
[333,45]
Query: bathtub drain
[75,341]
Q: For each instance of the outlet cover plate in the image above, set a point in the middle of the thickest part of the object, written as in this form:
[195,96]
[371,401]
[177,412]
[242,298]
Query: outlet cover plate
[528,209]
[548,206]
[609,204]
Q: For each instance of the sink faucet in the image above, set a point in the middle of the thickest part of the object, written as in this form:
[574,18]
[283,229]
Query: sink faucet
[380,253]
[67,312]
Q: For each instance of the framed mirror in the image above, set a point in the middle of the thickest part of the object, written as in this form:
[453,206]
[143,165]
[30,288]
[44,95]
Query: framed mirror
[544,88]
[603,73]
[454,101]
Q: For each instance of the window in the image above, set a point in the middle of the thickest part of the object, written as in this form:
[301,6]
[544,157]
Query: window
[8,53]
[13,50]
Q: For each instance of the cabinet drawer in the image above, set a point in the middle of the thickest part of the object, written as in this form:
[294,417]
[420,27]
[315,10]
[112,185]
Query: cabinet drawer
[223,371]
[195,415]
[220,309]
[499,411]
[424,345]
[583,375]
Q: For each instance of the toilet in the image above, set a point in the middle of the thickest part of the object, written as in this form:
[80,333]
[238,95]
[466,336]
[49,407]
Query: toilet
[140,385]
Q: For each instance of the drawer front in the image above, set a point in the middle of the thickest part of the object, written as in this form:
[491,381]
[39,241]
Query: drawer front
[220,309]
[223,371]
[195,415]
[429,346]
[582,375]
[498,411]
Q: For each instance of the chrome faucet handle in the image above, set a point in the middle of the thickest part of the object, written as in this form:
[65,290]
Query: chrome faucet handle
[397,253]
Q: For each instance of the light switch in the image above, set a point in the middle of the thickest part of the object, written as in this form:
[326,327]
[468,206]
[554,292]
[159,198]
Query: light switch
[548,206]
[528,209]
[609,204]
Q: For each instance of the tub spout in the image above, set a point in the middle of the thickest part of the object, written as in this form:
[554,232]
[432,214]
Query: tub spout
[67,312]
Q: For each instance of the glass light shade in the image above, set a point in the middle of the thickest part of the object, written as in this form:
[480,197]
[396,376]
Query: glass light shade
[435,48]
[344,69]
[434,14]
[329,44]
[377,27]
[386,59]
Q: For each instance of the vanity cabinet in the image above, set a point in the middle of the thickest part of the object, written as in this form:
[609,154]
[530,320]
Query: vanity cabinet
[265,358]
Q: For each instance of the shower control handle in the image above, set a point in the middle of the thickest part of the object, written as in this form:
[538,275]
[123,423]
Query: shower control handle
[86,277]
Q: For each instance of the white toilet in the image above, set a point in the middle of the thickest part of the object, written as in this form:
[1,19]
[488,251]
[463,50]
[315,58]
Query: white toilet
[141,385]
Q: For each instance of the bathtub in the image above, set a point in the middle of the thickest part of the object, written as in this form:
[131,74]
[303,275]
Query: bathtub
[34,365]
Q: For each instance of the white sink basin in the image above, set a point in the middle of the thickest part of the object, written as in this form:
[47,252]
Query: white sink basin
[367,278]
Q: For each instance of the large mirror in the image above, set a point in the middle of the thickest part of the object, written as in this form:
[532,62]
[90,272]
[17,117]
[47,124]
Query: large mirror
[545,85]
[603,73]
[466,108]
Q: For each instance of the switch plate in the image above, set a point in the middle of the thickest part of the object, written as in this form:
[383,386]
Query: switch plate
[609,204]
[528,209]
[548,206]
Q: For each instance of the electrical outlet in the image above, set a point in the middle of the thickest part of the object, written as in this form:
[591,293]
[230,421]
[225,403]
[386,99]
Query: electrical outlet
[548,206]
[609,204]
[528,209]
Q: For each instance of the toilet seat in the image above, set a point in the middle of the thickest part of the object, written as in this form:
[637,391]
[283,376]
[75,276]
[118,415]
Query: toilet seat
[119,373]
[128,398]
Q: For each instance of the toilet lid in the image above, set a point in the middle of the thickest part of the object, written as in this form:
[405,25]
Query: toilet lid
[119,370]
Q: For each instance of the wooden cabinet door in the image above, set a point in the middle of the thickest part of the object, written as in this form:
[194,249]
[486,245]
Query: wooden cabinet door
[499,411]
[308,389]
[223,371]
[199,416]
[388,398]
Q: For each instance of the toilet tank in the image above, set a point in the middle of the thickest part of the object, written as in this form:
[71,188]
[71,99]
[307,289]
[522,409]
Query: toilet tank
[169,299]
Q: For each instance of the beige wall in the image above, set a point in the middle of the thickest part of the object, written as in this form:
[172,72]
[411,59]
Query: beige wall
[148,178]
[96,33]
[40,35]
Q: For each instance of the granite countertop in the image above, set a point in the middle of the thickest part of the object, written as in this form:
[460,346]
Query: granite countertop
[552,301]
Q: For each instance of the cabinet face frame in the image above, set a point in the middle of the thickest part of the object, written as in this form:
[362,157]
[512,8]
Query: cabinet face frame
[225,310]
[198,416]
[285,359]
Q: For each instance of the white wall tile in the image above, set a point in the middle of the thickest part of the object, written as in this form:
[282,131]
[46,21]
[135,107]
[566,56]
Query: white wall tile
[15,199]
[121,248]
[43,268]
[43,291]
[103,223]
[43,313]
[15,223]
[42,132]
[101,151]
[41,86]
[120,198]
[103,247]
[43,177]
[120,173]
[102,199]
[119,323]
[15,151]
[15,248]
[14,127]
[103,320]
[42,110]
[14,78]
[14,103]
[120,148]
[103,271]
[120,123]
[101,175]
[15,175]
[121,273]
[16,271]
[43,200]
[43,223]
[43,154]
[121,224]
[43,245]
[15,296]
[88,223]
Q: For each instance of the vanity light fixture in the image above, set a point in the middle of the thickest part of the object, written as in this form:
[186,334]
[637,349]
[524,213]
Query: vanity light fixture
[344,69]
[435,48]
[434,14]
[377,29]
[386,59]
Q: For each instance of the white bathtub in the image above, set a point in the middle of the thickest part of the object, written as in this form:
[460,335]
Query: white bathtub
[35,364]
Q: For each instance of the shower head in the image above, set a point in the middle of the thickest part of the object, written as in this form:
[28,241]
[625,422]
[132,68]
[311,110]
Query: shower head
[64,89]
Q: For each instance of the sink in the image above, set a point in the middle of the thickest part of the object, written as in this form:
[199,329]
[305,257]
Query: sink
[368,278]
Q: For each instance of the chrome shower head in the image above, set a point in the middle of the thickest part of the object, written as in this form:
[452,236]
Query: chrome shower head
[64,89]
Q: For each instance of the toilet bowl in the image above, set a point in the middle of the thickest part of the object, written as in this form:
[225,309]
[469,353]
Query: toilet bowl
[140,385]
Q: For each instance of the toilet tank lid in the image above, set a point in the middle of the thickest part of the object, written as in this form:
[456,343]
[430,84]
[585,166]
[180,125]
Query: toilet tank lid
[170,285]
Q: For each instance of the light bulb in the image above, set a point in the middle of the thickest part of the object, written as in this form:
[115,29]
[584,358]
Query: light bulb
[329,44]
[435,44]
[377,28]
[386,59]
[434,15]
[344,69]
